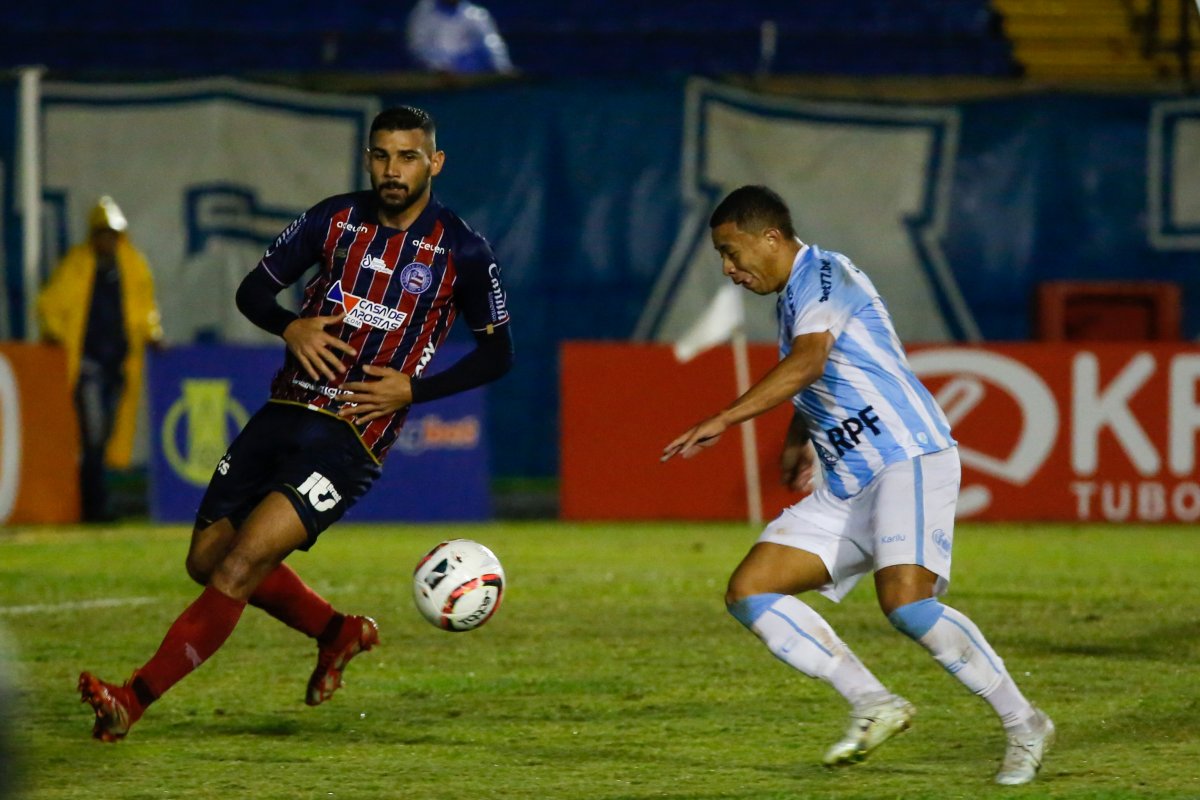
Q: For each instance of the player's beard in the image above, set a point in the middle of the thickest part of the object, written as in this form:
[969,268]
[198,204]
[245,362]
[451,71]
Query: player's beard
[413,194]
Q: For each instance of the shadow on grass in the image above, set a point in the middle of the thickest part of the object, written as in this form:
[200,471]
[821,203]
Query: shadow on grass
[1165,641]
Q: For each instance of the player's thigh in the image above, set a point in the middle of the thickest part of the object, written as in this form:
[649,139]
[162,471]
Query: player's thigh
[806,547]
[209,545]
[771,568]
[271,531]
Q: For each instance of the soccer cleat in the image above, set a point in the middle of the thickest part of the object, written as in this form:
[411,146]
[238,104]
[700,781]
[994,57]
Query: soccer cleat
[1025,752]
[356,635]
[870,727]
[116,707]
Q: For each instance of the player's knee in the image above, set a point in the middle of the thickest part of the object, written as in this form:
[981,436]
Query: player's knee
[734,594]
[916,619]
[238,574]
[747,610]
[743,583]
[198,571]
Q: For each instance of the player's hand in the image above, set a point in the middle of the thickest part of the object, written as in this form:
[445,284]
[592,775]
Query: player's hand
[799,465]
[316,350]
[369,400]
[703,435]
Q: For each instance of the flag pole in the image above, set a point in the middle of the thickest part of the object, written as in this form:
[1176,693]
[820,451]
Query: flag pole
[741,369]
[725,320]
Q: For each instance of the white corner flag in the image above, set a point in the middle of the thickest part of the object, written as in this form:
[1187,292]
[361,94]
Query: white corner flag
[721,319]
[724,320]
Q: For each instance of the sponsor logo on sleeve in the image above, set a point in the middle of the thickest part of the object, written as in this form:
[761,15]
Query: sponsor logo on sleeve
[826,276]
[286,236]
[496,299]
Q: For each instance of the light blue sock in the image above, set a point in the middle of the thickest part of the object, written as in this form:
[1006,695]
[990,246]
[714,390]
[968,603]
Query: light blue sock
[959,646]
[799,637]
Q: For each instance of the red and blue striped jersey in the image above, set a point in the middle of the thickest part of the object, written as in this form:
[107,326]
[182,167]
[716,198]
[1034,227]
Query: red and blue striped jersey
[400,290]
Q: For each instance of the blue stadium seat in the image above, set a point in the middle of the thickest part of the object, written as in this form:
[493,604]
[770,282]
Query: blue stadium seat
[585,37]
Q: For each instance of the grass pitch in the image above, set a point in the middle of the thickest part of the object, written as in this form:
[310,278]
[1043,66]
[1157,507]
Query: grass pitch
[610,673]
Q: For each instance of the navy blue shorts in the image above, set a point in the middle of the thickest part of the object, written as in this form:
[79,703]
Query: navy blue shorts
[312,458]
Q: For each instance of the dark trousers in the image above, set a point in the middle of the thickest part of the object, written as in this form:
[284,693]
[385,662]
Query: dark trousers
[96,397]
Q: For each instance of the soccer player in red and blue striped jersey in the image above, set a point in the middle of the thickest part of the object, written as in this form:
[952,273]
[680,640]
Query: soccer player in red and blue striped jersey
[394,269]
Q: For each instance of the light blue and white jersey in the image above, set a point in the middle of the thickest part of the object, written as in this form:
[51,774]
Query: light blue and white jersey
[868,410]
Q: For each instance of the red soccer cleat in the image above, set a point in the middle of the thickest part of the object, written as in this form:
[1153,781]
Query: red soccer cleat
[357,635]
[116,707]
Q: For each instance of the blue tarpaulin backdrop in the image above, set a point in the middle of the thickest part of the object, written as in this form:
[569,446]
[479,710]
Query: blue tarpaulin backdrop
[580,188]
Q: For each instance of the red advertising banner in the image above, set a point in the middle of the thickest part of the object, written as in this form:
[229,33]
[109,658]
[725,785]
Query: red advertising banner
[39,437]
[1045,431]
[1072,431]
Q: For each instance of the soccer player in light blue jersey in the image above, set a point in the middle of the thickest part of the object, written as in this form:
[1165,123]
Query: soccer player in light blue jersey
[885,504]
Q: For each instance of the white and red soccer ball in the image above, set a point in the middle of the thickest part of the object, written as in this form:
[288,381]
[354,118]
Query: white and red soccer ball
[458,585]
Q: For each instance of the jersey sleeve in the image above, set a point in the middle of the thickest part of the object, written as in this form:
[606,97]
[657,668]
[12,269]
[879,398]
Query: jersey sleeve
[297,248]
[479,290]
[827,297]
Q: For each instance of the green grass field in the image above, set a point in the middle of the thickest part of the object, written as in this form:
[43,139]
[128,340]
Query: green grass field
[610,672]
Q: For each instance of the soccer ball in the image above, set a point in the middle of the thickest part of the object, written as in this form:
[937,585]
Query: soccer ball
[458,585]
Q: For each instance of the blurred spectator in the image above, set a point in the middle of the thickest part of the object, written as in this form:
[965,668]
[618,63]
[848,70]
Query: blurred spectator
[99,304]
[456,37]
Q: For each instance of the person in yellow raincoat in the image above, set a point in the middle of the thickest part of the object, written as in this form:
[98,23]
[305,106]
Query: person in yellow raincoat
[99,304]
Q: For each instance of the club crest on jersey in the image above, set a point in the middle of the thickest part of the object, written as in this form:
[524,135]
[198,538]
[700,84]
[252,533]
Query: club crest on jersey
[416,277]
[361,311]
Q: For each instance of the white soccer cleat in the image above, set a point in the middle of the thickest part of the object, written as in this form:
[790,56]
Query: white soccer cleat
[1025,752]
[870,727]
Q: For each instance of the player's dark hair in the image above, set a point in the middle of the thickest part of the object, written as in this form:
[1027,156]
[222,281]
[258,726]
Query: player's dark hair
[754,209]
[404,118]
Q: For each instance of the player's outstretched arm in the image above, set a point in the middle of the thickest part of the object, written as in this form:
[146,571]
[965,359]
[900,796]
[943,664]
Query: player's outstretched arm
[804,365]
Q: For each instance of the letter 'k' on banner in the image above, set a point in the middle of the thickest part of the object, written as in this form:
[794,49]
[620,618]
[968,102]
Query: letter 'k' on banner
[724,320]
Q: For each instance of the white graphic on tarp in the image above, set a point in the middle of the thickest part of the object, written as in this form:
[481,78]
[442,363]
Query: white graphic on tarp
[1173,175]
[256,157]
[871,181]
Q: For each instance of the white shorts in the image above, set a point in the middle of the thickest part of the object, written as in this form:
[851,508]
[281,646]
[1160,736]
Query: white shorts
[904,516]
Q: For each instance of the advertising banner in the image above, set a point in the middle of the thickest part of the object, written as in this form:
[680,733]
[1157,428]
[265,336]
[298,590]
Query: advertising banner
[200,397]
[1081,432]
[1072,432]
[39,437]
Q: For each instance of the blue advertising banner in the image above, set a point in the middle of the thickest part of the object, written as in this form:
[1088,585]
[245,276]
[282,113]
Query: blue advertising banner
[200,397]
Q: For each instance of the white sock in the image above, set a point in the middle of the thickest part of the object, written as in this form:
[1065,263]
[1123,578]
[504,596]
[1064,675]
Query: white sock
[959,646]
[799,637]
